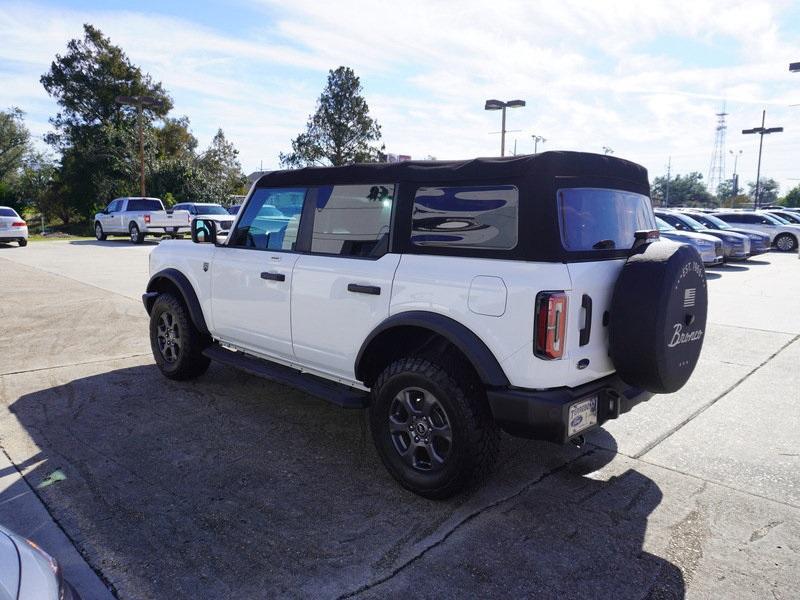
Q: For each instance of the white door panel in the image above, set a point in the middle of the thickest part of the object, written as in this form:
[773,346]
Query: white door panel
[330,321]
[251,292]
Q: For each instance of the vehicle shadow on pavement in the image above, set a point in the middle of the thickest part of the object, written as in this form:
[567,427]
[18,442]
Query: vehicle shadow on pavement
[229,486]
[111,243]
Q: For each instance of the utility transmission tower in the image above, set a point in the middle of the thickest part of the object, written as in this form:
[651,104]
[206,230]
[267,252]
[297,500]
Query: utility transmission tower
[716,172]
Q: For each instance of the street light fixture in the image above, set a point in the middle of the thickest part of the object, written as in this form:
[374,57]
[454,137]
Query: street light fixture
[500,105]
[536,140]
[735,178]
[794,67]
[761,131]
[140,102]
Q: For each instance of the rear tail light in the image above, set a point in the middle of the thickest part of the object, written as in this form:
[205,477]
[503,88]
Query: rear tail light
[18,224]
[551,325]
[147,218]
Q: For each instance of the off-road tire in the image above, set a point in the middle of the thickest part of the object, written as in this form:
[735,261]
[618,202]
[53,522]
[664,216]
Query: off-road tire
[137,237]
[475,435]
[22,242]
[99,234]
[786,242]
[189,362]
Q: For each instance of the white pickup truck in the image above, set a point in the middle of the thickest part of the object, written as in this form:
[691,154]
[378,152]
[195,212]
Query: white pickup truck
[139,217]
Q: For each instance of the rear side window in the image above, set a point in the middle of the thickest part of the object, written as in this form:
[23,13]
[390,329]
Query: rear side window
[483,217]
[271,219]
[602,219]
[353,220]
[144,205]
[8,212]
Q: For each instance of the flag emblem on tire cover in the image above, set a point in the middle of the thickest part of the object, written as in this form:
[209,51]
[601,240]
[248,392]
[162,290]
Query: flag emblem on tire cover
[688,297]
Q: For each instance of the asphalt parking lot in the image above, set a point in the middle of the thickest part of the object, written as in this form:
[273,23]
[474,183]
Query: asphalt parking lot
[232,487]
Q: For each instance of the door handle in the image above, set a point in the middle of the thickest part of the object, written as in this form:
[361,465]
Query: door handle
[364,289]
[273,276]
[586,331]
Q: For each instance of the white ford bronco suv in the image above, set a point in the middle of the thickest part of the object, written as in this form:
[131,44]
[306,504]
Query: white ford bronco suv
[451,299]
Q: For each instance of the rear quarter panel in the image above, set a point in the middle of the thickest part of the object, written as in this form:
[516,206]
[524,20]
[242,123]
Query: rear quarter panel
[441,284]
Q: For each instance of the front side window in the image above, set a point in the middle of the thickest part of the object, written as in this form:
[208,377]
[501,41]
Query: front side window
[481,216]
[271,219]
[353,220]
[603,219]
[113,207]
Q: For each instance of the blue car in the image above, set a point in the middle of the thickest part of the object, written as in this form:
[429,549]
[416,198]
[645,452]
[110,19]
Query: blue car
[735,245]
[759,242]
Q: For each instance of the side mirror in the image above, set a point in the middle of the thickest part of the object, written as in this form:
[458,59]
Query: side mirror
[204,231]
[104,211]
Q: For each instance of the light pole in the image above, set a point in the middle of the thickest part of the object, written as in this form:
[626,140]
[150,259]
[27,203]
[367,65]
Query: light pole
[761,131]
[607,150]
[140,102]
[500,105]
[735,178]
[536,140]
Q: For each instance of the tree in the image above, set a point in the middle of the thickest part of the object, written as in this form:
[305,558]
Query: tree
[14,142]
[684,190]
[87,80]
[341,131]
[768,193]
[792,199]
[97,136]
[220,169]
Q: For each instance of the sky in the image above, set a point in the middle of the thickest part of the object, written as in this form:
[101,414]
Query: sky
[645,79]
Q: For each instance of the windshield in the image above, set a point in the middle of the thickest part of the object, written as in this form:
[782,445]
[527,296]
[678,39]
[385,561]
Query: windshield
[780,220]
[210,209]
[602,219]
[774,220]
[8,212]
[663,225]
[714,222]
[694,224]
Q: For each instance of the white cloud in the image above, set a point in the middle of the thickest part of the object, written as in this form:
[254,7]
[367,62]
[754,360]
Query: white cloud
[593,73]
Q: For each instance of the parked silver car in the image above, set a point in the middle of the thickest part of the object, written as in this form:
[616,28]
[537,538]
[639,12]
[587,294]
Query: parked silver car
[709,247]
[28,573]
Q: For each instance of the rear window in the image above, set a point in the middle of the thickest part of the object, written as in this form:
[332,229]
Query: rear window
[144,205]
[602,219]
[466,217]
[7,212]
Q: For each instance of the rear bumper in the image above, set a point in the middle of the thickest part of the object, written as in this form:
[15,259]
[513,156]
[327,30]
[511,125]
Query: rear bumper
[544,414]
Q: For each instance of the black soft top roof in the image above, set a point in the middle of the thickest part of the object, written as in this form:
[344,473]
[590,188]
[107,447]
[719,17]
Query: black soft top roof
[545,165]
[538,178]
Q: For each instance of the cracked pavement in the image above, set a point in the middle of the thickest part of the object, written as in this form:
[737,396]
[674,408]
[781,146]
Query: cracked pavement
[232,487]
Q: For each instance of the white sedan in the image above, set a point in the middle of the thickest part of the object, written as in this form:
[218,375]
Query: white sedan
[28,573]
[12,227]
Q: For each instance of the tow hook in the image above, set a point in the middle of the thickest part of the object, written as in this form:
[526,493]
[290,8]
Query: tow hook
[578,441]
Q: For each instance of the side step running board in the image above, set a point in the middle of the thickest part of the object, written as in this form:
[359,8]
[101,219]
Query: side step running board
[336,393]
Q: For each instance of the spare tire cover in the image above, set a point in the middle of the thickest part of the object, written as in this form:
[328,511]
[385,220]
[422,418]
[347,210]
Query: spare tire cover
[657,320]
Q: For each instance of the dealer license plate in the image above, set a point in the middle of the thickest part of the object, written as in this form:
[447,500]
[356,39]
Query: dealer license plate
[582,414]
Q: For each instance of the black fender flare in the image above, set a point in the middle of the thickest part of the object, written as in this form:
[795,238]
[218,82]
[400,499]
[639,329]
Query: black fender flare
[476,351]
[184,286]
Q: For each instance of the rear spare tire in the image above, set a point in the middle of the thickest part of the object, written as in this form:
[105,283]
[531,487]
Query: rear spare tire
[658,317]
